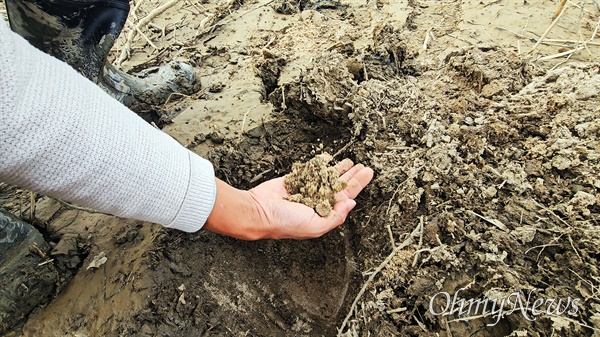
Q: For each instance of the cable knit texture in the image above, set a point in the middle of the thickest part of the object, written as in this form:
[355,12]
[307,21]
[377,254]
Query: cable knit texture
[62,136]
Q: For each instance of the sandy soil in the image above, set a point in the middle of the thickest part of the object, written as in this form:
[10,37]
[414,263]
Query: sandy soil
[485,149]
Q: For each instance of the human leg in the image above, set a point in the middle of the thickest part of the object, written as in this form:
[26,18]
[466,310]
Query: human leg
[81,33]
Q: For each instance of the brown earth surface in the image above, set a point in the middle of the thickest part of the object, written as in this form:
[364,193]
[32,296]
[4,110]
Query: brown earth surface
[486,154]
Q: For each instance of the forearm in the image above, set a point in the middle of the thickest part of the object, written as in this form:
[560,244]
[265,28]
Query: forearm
[64,137]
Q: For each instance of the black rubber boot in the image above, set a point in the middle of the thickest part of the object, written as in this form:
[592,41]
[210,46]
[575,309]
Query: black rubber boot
[81,33]
[25,280]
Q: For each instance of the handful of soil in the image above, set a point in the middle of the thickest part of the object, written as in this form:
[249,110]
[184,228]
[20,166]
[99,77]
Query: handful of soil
[314,184]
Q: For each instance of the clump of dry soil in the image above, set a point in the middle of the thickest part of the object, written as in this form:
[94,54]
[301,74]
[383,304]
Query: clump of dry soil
[314,184]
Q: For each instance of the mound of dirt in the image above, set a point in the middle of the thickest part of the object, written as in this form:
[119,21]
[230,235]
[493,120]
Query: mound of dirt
[494,172]
[314,184]
[322,91]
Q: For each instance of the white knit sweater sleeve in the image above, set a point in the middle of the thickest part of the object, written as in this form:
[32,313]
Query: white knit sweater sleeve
[62,136]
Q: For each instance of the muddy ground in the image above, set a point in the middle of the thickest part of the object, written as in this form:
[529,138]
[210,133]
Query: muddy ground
[486,154]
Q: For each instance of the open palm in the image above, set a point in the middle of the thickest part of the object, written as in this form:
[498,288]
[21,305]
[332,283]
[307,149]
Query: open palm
[286,219]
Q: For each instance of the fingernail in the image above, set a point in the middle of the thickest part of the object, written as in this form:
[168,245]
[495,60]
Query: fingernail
[351,204]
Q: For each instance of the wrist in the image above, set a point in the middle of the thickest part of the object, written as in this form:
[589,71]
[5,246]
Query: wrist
[235,213]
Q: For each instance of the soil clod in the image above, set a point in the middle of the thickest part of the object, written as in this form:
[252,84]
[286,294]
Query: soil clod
[314,184]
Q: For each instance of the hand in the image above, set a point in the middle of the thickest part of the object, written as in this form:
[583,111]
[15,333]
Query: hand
[263,212]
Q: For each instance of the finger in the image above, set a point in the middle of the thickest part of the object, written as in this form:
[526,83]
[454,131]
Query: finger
[343,166]
[358,182]
[348,175]
[334,219]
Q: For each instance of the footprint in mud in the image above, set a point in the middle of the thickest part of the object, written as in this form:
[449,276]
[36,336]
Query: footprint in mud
[270,288]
